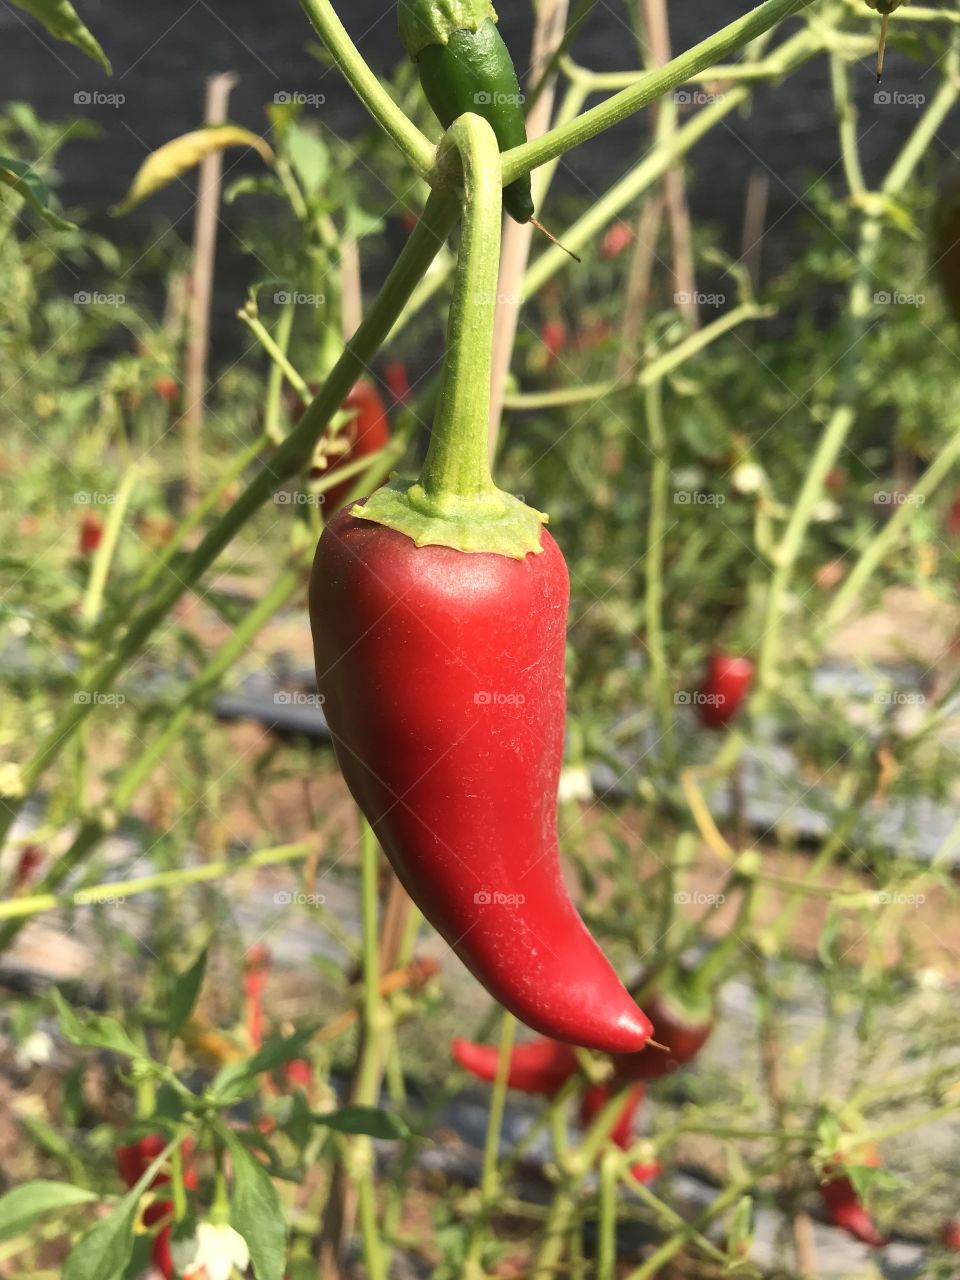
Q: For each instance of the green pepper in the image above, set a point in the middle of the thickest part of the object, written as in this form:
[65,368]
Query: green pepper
[464,66]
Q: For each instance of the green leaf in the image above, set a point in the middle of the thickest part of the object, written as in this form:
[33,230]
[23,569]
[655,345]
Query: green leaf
[367,1120]
[184,991]
[255,1210]
[32,1200]
[22,179]
[62,21]
[237,1077]
[309,158]
[95,1031]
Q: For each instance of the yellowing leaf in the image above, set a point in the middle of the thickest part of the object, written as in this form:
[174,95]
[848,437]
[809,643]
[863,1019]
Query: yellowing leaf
[174,158]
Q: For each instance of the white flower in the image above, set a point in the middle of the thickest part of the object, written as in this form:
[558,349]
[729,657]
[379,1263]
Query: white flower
[827,509]
[688,478]
[35,1051]
[575,784]
[220,1250]
[748,477]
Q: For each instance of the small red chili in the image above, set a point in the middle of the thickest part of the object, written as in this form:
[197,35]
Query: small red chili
[725,686]
[843,1205]
[553,335]
[397,380]
[616,239]
[594,1098]
[91,534]
[682,1031]
[541,1066]
[950,1234]
[167,389]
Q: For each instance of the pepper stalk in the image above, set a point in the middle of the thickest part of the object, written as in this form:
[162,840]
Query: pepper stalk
[455,502]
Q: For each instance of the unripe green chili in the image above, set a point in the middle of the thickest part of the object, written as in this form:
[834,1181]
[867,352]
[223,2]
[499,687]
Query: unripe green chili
[464,66]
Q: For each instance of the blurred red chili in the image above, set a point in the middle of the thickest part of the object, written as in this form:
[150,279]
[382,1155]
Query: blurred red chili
[594,1098]
[843,1205]
[953,518]
[28,864]
[256,967]
[167,389]
[681,1027]
[726,684]
[91,534]
[132,1162]
[398,383]
[950,1234]
[553,335]
[366,433]
[539,1066]
[617,237]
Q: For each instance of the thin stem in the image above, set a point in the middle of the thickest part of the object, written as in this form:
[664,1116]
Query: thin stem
[607,1226]
[498,1102]
[457,460]
[93,600]
[653,565]
[520,160]
[419,251]
[368,88]
[274,350]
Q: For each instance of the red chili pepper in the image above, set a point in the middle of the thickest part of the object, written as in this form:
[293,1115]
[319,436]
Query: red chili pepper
[950,1234]
[594,1098]
[132,1162]
[367,432]
[617,237]
[683,1031]
[256,967]
[953,518]
[167,389]
[28,864]
[91,534]
[444,687]
[540,1066]
[843,1205]
[553,335]
[727,683]
[395,376]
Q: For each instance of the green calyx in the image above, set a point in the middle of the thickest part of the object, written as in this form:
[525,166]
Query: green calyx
[426,22]
[494,522]
[885,6]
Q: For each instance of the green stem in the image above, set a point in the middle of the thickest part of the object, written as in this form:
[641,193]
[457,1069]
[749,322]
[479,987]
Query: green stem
[419,251]
[274,350]
[19,909]
[653,566]
[93,600]
[272,428]
[457,462]
[520,160]
[498,1102]
[368,87]
[607,1226]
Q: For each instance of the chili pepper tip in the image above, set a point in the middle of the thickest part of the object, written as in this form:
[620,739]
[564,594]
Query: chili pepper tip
[543,230]
[655,1044]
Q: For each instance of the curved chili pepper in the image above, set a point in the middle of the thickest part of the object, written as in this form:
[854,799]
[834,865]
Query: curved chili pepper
[132,1162]
[464,65]
[726,684]
[91,534]
[950,1234]
[540,1066]
[443,680]
[843,1205]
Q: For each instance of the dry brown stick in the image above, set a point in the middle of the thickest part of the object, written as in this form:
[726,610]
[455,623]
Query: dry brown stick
[639,282]
[754,221]
[351,292]
[515,245]
[657,26]
[205,225]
